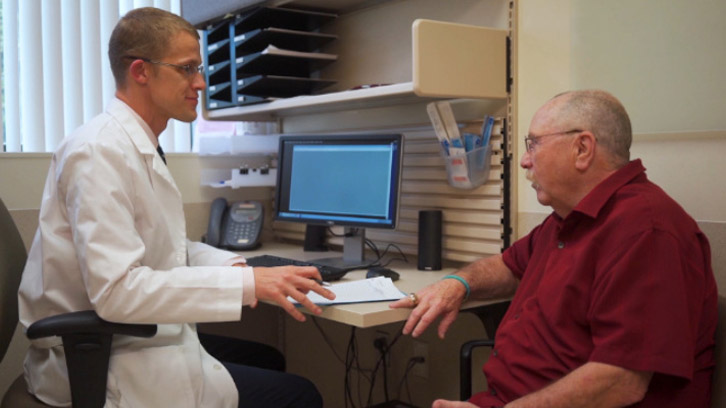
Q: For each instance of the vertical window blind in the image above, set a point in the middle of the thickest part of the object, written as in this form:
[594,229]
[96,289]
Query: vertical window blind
[55,70]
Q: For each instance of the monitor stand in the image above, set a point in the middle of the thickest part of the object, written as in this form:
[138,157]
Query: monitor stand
[353,251]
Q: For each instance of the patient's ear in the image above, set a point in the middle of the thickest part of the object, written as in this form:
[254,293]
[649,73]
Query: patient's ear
[585,147]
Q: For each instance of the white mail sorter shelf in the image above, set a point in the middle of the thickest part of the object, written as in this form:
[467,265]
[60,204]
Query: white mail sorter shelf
[394,53]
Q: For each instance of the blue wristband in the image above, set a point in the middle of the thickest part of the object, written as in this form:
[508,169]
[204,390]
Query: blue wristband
[463,281]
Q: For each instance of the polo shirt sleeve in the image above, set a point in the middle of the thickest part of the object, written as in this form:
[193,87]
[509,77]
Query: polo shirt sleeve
[639,310]
[517,256]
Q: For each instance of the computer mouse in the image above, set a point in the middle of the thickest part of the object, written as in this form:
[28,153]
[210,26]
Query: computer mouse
[377,271]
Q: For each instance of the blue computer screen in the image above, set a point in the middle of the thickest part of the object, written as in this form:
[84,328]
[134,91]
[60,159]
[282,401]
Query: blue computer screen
[339,180]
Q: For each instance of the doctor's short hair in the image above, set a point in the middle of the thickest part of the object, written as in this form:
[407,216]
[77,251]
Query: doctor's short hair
[143,32]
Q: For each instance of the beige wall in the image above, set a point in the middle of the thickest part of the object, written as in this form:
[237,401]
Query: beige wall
[663,62]
[543,70]
[22,177]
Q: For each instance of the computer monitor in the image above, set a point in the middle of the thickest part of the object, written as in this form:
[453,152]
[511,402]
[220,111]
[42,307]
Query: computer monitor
[345,180]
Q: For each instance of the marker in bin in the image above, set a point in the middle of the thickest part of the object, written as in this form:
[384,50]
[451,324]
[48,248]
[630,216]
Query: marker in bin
[471,141]
[486,130]
[448,120]
[446,128]
[447,132]
[438,127]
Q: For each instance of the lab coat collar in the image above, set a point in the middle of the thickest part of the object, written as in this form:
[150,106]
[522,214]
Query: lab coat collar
[130,120]
[141,136]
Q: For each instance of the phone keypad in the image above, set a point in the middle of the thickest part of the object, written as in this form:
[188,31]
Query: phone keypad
[241,232]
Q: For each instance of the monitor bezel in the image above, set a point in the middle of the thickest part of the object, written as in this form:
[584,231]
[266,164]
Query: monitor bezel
[332,139]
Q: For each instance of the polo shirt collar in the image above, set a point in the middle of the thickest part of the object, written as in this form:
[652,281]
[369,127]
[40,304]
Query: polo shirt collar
[595,200]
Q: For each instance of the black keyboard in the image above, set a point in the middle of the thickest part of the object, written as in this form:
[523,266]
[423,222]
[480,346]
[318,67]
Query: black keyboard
[328,273]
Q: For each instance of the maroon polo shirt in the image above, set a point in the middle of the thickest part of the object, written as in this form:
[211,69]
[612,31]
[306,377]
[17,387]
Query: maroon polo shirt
[625,279]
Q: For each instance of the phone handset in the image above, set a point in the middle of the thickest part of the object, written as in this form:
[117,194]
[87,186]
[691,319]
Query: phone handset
[214,228]
[237,226]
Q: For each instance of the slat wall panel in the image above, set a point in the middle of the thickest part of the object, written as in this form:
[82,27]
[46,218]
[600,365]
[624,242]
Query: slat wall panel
[472,219]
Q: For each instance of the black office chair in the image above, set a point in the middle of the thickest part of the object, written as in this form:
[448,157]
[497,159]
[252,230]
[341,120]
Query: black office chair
[86,337]
[490,315]
[718,383]
[465,355]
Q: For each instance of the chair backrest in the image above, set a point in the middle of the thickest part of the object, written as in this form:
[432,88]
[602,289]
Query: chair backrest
[12,261]
[718,387]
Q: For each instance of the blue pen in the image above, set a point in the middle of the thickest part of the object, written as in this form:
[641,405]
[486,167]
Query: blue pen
[445,146]
[470,141]
[486,130]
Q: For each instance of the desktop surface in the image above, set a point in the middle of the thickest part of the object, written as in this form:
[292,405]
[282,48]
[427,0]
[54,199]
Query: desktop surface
[372,313]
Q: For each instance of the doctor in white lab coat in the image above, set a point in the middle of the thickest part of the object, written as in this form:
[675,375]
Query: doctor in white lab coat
[112,238]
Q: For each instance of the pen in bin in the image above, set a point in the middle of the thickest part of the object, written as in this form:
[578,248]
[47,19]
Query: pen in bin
[486,130]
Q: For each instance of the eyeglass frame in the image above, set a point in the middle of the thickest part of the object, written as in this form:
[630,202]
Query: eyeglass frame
[530,141]
[189,69]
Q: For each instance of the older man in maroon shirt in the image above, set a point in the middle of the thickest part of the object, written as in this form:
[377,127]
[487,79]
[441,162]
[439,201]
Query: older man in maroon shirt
[615,302]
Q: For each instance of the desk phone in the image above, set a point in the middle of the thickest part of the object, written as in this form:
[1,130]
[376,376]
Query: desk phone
[237,226]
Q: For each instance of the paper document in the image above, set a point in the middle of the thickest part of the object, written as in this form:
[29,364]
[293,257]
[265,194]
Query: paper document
[364,290]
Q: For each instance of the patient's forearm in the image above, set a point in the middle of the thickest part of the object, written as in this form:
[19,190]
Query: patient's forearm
[489,278]
[593,385]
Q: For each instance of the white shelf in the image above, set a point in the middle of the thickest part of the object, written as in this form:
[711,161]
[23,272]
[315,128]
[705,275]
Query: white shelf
[336,101]
[448,61]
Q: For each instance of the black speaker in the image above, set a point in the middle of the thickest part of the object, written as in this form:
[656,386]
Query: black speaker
[429,240]
[315,238]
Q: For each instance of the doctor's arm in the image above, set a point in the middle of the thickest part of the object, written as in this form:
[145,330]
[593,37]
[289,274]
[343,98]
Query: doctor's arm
[272,285]
[276,284]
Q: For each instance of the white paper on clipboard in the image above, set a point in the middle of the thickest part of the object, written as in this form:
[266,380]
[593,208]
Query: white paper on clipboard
[359,291]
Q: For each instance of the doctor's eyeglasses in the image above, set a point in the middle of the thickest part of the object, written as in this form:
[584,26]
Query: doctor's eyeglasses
[188,69]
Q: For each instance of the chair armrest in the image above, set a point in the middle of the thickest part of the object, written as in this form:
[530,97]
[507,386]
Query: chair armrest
[87,344]
[86,321]
[465,365]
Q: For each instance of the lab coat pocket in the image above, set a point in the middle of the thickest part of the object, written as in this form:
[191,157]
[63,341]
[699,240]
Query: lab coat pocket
[153,377]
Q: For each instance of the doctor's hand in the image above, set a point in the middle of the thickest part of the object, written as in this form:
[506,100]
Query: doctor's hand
[276,284]
[442,298]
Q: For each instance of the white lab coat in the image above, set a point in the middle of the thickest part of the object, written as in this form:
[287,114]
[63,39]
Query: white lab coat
[112,238]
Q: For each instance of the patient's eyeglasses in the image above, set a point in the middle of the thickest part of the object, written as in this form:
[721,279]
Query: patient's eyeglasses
[189,69]
[530,141]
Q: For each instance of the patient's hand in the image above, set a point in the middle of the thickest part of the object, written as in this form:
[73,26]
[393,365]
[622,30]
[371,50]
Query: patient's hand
[440,299]
[276,284]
